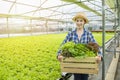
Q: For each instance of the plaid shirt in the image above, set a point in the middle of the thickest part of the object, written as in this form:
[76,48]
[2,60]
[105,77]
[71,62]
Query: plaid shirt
[86,37]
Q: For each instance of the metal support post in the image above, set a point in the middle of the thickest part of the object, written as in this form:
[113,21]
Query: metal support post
[103,38]
[46,25]
[8,28]
[31,26]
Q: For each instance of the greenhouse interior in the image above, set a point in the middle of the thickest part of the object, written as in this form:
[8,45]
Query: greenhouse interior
[32,32]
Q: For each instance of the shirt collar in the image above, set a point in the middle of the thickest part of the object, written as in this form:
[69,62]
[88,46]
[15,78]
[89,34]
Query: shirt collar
[84,30]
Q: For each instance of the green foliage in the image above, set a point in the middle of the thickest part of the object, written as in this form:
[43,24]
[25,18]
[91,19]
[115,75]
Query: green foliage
[70,49]
[32,58]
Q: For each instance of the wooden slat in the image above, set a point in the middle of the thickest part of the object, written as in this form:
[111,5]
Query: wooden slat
[84,71]
[88,59]
[87,65]
[82,65]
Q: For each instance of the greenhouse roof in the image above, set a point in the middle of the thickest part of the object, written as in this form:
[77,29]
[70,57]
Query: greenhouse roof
[55,10]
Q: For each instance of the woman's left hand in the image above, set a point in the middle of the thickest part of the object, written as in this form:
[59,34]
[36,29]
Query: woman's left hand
[98,59]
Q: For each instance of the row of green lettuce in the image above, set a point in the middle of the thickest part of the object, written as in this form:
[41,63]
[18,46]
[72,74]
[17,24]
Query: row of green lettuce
[32,57]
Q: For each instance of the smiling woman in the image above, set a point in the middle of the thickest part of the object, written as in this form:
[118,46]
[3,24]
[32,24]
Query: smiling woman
[79,36]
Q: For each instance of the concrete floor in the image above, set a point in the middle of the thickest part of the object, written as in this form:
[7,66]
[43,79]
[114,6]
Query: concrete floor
[117,77]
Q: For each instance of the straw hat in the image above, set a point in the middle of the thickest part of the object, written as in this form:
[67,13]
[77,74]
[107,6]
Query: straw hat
[80,15]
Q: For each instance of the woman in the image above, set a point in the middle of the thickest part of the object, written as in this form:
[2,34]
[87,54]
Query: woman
[79,35]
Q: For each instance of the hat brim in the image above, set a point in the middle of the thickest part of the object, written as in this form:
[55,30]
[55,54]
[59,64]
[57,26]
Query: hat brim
[80,16]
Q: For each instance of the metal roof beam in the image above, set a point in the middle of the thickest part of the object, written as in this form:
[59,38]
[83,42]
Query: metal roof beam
[67,13]
[39,7]
[47,8]
[12,6]
[81,4]
[77,0]
[53,12]
[21,3]
[100,7]
[29,17]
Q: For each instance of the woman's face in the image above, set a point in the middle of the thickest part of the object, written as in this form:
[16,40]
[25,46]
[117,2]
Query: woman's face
[80,22]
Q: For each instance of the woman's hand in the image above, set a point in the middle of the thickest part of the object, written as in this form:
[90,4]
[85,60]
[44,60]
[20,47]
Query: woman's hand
[60,57]
[98,59]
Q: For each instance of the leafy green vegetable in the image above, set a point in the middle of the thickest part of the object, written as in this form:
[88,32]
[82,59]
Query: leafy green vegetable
[70,49]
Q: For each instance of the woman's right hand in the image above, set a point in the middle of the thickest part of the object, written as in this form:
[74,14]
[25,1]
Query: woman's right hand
[60,57]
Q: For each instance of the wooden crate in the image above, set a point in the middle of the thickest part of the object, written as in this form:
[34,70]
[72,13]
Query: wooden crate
[86,65]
